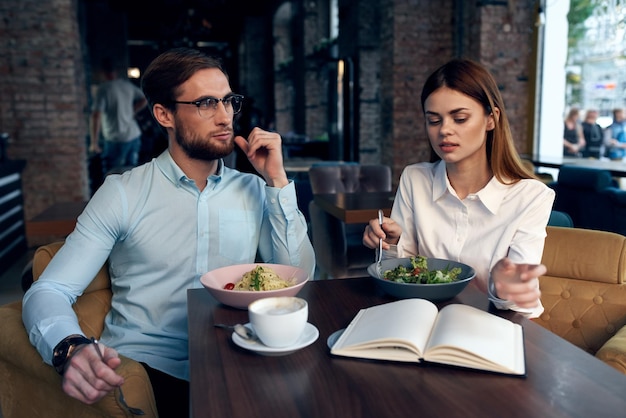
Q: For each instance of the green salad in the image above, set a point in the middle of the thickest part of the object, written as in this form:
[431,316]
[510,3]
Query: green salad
[419,273]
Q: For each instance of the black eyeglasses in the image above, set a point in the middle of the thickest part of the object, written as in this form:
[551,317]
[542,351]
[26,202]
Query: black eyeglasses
[207,107]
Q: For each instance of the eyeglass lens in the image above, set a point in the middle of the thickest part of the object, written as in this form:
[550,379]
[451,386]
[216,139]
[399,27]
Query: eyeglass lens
[231,103]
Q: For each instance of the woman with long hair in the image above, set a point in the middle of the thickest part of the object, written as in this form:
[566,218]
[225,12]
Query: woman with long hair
[474,202]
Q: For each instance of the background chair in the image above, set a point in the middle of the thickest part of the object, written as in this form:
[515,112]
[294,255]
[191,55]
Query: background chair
[558,218]
[578,193]
[31,388]
[339,248]
[584,291]
[592,199]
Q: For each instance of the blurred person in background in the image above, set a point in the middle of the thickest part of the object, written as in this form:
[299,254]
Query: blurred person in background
[573,138]
[116,102]
[615,136]
[594,136]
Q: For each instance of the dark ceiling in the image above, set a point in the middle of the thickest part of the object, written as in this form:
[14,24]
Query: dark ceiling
[147,27]
[169,21]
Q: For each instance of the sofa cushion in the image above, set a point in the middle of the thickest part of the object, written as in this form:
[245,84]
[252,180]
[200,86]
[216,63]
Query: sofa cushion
[613,352]
[584,289]
[584,313]
[604,254]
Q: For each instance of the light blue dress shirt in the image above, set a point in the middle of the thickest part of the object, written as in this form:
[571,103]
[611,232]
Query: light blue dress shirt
[160,234]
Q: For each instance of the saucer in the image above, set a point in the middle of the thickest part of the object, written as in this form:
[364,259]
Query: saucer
[332,338]
[308,337]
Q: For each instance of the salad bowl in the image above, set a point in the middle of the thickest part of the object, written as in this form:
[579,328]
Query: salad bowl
[431,291]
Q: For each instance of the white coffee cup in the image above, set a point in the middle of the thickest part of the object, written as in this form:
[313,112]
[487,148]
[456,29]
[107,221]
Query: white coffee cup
[278,321]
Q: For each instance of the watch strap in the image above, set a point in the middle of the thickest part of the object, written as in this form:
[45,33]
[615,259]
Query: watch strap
[64,350]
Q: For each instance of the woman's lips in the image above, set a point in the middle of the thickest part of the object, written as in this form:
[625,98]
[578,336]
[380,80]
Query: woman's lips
[447,147]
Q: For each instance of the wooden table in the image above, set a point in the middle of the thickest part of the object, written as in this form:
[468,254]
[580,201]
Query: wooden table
[355,207]
[58,219]
[228,381]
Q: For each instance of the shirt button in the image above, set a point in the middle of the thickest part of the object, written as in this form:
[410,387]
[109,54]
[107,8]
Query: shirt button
[273,200]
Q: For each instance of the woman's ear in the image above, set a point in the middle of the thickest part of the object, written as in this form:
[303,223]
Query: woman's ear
[163,116]
[494,116]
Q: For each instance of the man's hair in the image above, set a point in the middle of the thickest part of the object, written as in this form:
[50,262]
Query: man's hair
[168,71]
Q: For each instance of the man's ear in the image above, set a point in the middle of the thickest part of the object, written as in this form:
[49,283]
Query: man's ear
[494,116]
[163,115]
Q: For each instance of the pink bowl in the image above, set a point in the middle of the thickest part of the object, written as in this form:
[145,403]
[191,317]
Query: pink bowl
[214,282]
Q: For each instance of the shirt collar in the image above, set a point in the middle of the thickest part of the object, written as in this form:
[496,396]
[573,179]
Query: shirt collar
[491,195]
[173,172]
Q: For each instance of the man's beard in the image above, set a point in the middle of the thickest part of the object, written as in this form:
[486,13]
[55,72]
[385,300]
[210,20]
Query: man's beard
[200,149]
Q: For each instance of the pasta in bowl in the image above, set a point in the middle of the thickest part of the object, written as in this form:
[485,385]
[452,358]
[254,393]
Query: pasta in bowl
[241,284]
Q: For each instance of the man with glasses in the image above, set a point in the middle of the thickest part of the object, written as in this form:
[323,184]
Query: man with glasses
[161,226]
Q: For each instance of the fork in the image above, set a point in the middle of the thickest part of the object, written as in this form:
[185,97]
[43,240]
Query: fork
[380,247]
[134,411]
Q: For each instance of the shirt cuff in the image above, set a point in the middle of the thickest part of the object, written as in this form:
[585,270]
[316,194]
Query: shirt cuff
[504,304]
[282,200]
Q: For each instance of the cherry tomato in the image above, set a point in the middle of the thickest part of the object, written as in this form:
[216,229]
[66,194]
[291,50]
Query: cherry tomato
[229,286]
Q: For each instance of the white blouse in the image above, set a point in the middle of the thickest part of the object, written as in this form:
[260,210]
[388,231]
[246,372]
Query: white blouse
[500,220]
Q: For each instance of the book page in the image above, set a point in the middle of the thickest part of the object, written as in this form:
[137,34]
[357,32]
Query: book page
[469,337]
[379,331]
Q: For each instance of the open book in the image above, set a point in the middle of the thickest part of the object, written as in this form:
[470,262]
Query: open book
[413,330]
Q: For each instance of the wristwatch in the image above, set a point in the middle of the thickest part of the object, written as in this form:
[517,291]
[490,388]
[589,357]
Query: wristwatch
[64,350]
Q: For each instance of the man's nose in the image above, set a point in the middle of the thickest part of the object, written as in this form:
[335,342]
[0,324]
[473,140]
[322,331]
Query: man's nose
[222,115]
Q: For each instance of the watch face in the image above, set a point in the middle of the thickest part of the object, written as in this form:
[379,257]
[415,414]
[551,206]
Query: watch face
[60,353]
[64,350]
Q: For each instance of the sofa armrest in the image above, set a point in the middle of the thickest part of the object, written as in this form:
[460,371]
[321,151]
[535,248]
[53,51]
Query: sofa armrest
[29,386]
[613,352]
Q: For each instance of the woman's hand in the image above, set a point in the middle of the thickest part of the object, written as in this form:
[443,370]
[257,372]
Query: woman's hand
[390,233]
[518,283]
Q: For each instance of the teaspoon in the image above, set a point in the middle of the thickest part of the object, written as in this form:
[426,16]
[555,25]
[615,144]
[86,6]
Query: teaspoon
[242,331]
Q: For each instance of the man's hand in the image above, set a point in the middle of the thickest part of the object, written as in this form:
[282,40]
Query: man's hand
[265,153]
[88,378]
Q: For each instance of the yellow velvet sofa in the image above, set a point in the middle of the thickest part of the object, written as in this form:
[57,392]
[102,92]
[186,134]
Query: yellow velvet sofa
[31,388]
[584,291]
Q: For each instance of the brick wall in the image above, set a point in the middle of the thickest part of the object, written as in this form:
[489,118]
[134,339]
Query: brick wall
[43,99]
[506,48]
[417,36]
